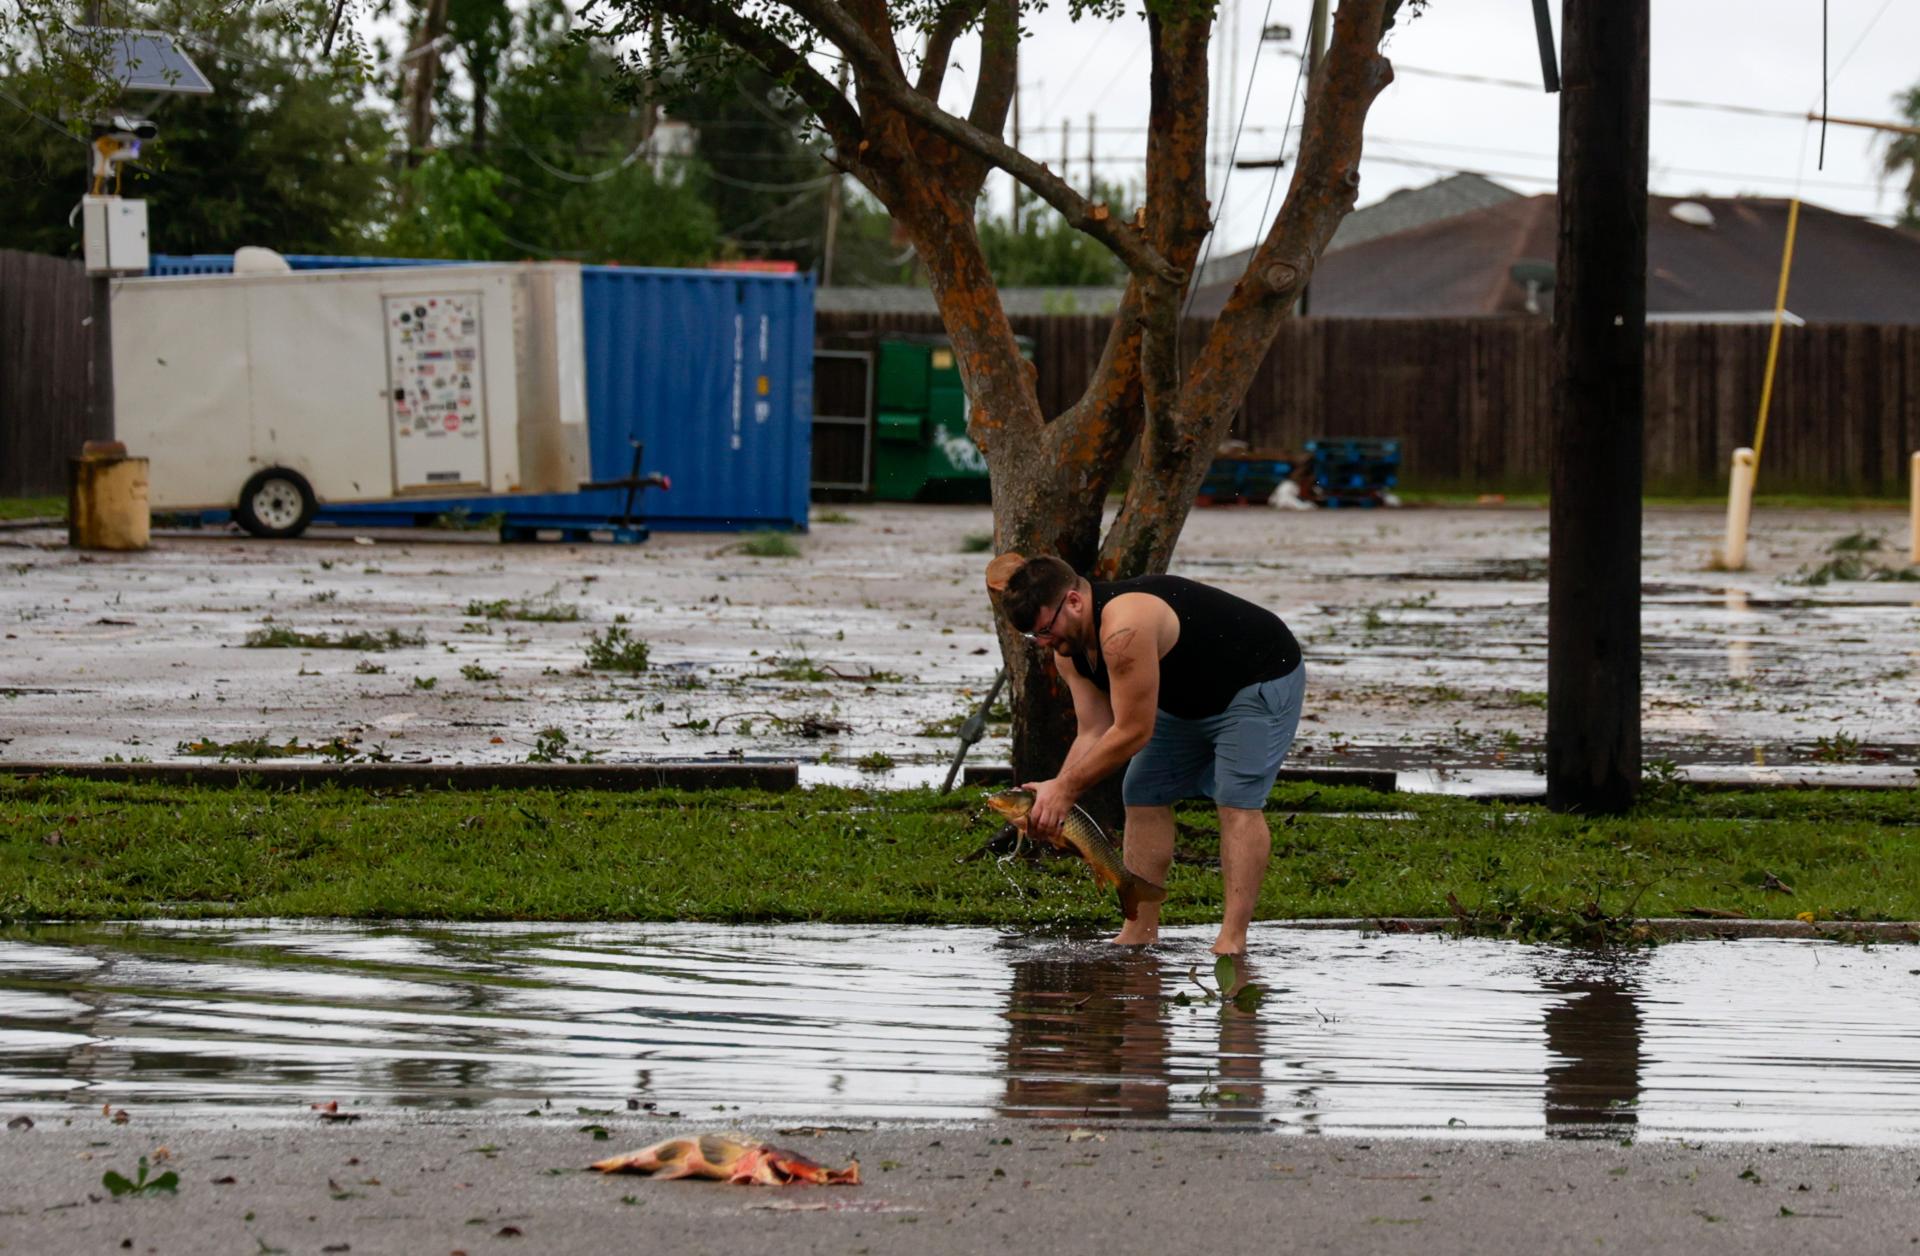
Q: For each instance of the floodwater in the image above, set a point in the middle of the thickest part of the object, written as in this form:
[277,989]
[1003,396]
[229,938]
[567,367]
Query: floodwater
[1359,1033]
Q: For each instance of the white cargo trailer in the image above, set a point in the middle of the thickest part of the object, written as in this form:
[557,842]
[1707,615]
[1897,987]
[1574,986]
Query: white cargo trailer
[271,393]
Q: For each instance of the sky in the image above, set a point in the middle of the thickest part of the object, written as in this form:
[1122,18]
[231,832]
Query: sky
[1759,54]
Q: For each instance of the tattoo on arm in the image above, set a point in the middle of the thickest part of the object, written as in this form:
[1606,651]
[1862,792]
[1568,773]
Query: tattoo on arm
[1115,646]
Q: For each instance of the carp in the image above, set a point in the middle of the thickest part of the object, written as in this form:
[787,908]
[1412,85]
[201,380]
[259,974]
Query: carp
[731,1158]
[1083,834]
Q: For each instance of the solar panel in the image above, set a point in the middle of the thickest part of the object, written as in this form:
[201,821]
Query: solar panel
[145,61]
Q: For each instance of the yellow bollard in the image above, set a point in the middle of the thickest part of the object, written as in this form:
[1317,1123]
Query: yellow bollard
[107,499]
[1913,512]
[1739,511]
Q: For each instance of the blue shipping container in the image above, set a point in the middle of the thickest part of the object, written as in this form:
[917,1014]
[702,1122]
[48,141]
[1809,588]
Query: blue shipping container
[711,370]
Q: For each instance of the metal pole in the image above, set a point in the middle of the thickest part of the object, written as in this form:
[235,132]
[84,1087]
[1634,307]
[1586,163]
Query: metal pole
[973,730]
[99,322]
[100,363]
[1599,390]
[1543,31]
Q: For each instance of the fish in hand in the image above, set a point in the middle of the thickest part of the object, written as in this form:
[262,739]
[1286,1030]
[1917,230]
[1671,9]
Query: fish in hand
[731,1158]
[1084,835]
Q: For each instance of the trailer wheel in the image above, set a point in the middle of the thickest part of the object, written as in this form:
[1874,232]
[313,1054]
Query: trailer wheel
[276,503]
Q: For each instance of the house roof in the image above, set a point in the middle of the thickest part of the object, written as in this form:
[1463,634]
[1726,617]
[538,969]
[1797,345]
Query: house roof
[1399,211]
[1845,269]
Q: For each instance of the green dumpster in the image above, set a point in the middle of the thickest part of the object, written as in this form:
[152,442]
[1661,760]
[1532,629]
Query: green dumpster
[921,451]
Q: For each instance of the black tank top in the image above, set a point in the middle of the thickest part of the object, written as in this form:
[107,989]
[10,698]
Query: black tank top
[1226,643]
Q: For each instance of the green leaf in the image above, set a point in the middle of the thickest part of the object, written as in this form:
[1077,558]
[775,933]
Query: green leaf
[1248,998]
[168,1181]
[1224,971]
[115,1183]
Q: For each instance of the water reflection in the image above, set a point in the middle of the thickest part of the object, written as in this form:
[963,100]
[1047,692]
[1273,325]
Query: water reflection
[1088,1035]
[1739,648]
[1593,1034]
[1103,1032]
[1359,1034]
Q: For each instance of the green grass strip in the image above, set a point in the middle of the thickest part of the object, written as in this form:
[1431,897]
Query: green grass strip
[33,508]
[79,850]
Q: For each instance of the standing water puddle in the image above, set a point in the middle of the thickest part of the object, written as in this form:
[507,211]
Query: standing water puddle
[1377,1034]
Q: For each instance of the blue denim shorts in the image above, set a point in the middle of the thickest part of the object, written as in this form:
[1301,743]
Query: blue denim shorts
[1231,757]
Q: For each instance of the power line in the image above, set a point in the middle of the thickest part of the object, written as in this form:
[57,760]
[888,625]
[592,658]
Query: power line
[1449,168]
[1226,181]
[39,117]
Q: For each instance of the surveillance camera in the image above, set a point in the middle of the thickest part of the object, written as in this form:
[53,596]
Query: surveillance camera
[139,128]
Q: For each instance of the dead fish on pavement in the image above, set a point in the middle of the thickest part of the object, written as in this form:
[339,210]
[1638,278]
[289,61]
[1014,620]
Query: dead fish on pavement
[731,1158]
[1084,835]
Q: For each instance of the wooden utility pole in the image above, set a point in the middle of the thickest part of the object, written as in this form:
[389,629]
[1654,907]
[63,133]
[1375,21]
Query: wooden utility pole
[1016,136]
[1891,128]
[1599,395]
[1316,52]
[832,229]
[1093,176]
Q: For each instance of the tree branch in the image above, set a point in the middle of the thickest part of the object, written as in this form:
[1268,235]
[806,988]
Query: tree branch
[1093,435]
[879,73]
[999,67]
[779,59]
[953,19]
[1177,209]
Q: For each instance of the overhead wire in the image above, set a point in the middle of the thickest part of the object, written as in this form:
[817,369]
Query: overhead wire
[1233,152]
[1293,99]
[41,118]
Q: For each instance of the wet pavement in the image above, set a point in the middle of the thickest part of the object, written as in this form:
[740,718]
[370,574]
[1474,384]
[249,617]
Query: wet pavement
[1425,633]
[1359,1034]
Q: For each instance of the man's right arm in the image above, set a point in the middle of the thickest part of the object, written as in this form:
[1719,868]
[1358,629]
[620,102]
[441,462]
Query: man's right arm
[1092,713]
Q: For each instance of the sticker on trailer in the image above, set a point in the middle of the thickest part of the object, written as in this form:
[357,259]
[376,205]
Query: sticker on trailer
[436,389]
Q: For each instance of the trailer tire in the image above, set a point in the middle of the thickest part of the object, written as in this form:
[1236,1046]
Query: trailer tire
[276,503]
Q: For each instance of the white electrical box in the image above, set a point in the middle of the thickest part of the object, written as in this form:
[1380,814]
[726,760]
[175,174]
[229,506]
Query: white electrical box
[115,235]
[369,384]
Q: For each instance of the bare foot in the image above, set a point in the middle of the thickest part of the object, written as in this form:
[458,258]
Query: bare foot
[1224,945]
[1136,934]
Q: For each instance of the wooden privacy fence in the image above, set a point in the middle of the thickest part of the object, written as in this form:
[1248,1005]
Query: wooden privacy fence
[1472,398]
[44,348]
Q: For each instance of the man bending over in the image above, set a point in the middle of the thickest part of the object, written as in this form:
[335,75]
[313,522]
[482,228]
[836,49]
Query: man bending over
[1191,689]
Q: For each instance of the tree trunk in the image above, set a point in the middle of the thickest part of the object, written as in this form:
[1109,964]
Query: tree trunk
[424,68]
[479,74]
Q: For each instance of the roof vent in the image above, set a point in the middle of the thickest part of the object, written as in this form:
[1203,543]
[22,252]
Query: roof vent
[1693,213]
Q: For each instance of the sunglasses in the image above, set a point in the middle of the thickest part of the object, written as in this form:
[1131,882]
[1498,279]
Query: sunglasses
[1053,621]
